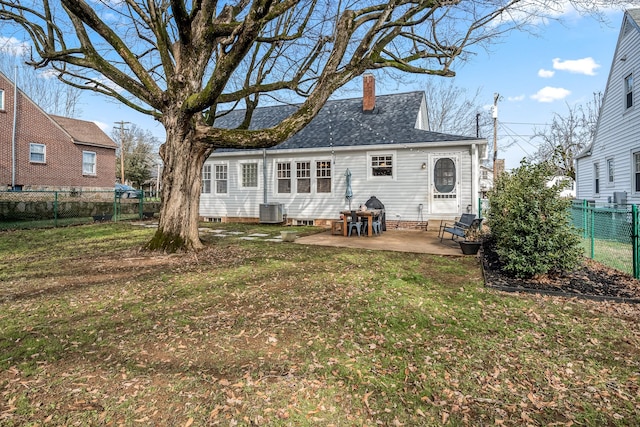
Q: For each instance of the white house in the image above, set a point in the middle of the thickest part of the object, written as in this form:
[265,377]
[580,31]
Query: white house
[382,142]
[609,169]
[486,180]
[568,186]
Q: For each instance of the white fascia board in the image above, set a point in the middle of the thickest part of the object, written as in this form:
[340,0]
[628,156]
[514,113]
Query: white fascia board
[399,145]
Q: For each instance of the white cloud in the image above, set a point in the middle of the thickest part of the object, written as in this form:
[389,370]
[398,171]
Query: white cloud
[585,66]
[515,98]
[545,74]
[13,46]
[550,94]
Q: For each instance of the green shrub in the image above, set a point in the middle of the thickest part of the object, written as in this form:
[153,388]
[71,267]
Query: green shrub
[530,223]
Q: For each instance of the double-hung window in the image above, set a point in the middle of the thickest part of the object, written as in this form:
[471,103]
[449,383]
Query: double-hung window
[284,177]
[610,176]
[249,175]
[628,90]
[37,153]
[303,177]
[206,179]
[1,100]
[88,163]
[382,165]
[636,171]
[221,179]
[323,176]
[596,178]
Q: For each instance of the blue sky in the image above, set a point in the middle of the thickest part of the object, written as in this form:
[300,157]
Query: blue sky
[536,76]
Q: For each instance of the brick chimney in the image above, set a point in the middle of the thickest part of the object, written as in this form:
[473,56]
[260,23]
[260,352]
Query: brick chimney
[368,93]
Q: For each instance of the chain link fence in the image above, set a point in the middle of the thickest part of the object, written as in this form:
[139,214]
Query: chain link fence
[609,231]
[41,209]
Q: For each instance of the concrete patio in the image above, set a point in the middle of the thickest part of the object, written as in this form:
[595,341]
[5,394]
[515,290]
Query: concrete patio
[417,241]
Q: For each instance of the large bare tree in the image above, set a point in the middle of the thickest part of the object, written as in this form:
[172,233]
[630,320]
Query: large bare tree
[43,88]
[567,136]
[186,61]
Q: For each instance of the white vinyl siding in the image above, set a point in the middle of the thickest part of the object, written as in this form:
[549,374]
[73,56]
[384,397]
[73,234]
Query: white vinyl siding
[618,133]
[402,195]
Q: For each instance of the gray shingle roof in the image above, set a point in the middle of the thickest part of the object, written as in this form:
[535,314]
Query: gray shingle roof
[84,132]
[342,123]
[634,14]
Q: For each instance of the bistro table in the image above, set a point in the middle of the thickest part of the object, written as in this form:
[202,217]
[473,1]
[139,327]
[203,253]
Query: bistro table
[369,214]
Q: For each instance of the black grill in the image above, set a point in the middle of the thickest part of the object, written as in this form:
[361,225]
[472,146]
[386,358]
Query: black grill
[374,203]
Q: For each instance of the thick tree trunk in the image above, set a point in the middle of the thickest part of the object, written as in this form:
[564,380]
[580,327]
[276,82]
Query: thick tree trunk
[181,180]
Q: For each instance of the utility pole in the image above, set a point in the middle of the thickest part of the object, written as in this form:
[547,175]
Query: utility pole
[122,129]
[496,97]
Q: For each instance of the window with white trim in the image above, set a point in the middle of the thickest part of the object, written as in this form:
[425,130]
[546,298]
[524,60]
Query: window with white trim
[249,175]
[382,165]
[283,171]
[88,163]
[303,177]
[444,175]
[206,179]
[596,178]
[610,176]
[323,176]
[1,100]
[221,179]
[628,90]
[37,153]
[636,171]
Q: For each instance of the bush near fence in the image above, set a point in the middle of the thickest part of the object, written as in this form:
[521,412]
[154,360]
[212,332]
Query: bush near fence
[610,232]
[64,207]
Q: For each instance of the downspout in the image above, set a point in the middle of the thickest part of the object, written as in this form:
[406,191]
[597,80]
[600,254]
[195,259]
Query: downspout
[264,176]
[474,178]
[14,129]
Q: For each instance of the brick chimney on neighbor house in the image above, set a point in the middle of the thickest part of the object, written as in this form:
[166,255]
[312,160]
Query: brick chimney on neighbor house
[368,93]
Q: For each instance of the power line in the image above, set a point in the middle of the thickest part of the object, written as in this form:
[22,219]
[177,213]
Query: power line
[524,123]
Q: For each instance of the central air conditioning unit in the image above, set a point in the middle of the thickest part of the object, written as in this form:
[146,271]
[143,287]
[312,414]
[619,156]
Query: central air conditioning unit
[271,213]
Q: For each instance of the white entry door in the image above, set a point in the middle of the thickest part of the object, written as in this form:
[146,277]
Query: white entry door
[445,191]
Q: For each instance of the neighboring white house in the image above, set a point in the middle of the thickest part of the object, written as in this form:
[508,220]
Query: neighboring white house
[386,148]
[486,180]
[568,186]
[609,169]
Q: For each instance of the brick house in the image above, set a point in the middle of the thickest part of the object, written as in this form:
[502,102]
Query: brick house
[46,152]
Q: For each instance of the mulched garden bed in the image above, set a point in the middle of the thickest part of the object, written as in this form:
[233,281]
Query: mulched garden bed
[592,280]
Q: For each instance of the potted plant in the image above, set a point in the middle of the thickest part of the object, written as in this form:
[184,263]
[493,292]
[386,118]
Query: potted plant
[473,237]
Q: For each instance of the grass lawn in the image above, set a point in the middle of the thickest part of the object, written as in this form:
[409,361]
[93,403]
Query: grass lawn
[250,332]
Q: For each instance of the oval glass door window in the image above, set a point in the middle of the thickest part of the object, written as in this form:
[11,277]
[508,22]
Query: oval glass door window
[444,177]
